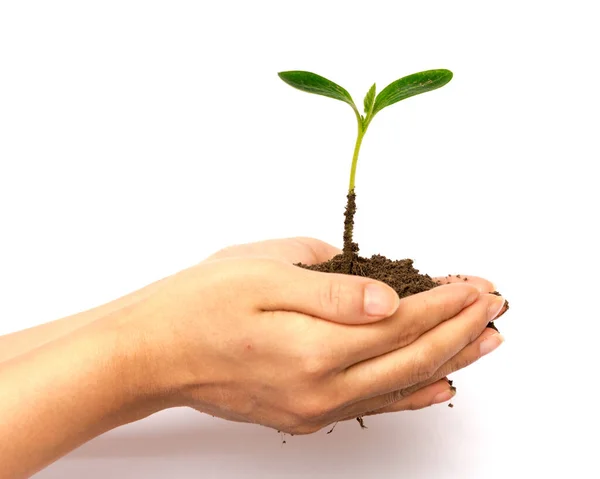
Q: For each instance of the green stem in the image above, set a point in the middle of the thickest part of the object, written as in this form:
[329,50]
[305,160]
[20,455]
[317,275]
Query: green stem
[361,133]
[351,248]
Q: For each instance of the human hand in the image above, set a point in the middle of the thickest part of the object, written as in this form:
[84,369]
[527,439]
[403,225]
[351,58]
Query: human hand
[259,340]
[311,251]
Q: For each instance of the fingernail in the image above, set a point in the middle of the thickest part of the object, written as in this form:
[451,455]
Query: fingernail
[444,396]
[494,306]
[491,343]
[380,300]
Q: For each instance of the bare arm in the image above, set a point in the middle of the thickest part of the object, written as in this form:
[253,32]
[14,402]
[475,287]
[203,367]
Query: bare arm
[64,393]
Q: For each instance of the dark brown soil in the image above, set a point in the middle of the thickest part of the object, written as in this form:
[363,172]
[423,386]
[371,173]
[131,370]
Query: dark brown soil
[400,275]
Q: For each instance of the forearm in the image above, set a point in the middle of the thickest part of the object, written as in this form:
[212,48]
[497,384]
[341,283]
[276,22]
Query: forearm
[64,393]
[20,342]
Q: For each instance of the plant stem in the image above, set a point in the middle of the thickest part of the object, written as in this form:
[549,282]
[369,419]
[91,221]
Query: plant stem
[351,248]
[361,133]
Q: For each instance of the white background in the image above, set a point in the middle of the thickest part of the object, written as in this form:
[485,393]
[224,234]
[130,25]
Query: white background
[138,137]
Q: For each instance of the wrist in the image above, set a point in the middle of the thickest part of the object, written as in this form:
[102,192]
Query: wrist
[140,380]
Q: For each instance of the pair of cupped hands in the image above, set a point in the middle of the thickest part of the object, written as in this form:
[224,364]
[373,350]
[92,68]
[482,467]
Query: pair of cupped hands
[247,336]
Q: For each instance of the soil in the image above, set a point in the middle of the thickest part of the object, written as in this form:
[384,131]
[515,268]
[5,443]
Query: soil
[400,275]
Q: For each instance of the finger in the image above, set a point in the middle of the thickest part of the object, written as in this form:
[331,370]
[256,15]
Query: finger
[335,297]
[487,342]
[438,392]
[416,314]
[435,393]
[481,284]
[420,360]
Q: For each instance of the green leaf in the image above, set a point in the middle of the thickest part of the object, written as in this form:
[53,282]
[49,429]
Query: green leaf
[369,100]
[313,83]
[411,85]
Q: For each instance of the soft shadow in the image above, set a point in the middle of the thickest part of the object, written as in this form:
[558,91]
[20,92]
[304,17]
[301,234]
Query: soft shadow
[410,443]
[210,437]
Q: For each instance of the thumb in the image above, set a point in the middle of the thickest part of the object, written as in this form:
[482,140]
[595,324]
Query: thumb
[335,297]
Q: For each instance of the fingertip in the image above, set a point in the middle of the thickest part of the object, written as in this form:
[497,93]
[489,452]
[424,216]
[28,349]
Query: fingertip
[379,300]
[481,284]
[435,393]
[444,396]
[490,344]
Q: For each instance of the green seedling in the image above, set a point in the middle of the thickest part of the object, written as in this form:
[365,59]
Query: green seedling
[401,89]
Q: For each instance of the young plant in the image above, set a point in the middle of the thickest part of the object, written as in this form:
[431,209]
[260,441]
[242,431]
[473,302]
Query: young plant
[398,274]
[401,89]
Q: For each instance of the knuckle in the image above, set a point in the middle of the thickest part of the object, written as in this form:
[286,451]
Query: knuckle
[331,298]
[336,297]
[393,397]
[314,364]
[406,331]
[416,312]
[404,337]
[412,389]
[424,365]
[476,331]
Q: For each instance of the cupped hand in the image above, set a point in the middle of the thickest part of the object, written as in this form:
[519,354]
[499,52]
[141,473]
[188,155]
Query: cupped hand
[257,339]
[311,251]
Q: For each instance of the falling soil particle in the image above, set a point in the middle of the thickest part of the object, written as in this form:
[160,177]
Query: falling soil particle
[361,422]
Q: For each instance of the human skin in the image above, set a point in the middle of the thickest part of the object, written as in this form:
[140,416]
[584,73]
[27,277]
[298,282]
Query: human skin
[243,335]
